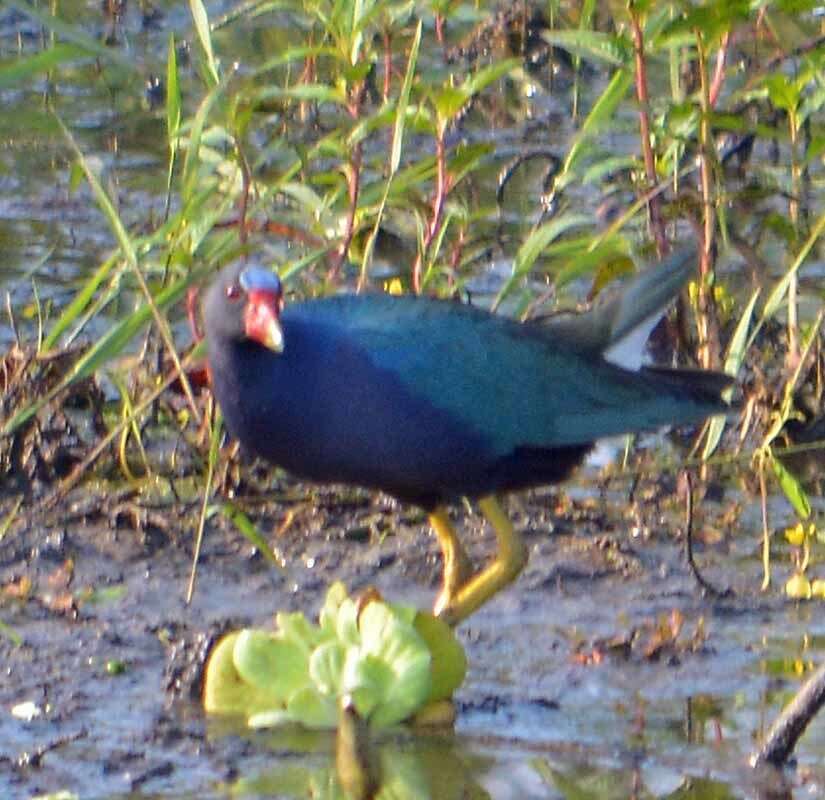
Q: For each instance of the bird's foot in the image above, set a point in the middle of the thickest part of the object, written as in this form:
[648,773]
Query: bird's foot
[455,606]
[458,569]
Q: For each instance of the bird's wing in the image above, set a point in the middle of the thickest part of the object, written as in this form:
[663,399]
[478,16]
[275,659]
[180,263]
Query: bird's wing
[517,385]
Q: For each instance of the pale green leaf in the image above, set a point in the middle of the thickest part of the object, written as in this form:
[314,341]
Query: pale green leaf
[604,48]
[201,20]
[266,661]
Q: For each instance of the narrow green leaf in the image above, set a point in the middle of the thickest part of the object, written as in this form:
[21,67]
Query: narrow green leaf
[536,243]
[538,240]
[11,634]
[791,488]
[123,238]
[736,353]
[484,77]
[604,48]
[173,97]
[75,35]
[782,92]
[596,173]
[192,161]
[201,20]
[369,123]
[738,343]
[306,196]
[297,54]
[449,101]
[356,37]
[600,115]
[21,69]
[712,19]
[246,527]
[106,348]
[578,260]
[292,269]
[403,102]
[9,519]
[128,249]
[778,293]
[395,152]
[319,92]
[466,158]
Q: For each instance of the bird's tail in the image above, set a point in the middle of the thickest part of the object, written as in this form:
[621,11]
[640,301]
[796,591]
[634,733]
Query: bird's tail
[617,330]
[704,387]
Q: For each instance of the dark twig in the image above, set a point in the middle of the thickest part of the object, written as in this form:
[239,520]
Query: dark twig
[508,170]
[51,500]
[792,722]
[686,485]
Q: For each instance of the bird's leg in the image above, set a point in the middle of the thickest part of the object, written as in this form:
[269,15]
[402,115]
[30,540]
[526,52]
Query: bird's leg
[508,563]
[458,568]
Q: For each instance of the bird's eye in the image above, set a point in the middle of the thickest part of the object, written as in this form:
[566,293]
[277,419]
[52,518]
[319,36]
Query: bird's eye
[233,291]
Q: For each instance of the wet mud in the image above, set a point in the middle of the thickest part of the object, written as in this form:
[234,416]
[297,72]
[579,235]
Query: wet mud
[605,652]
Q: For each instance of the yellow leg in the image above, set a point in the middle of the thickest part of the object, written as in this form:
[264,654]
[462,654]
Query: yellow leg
[458,568]
[508,563]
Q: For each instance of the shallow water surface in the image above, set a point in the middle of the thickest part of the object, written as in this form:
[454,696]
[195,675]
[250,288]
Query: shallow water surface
[569,692]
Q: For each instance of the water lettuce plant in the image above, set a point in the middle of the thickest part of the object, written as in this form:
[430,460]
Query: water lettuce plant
[389,662]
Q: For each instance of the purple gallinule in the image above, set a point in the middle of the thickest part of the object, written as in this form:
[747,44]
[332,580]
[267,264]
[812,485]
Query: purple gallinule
[430,400]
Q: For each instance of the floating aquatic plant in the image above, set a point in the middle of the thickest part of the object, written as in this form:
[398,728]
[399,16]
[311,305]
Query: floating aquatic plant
[390,662]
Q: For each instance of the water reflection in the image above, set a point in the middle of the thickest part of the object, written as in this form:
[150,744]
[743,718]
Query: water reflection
[404,765]
[399,765]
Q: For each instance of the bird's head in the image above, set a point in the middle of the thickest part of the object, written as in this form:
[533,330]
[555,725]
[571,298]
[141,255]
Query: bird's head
[245,302]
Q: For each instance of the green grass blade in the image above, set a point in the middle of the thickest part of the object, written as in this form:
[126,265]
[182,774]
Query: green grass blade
[173,96]
[791,488]
[776,296]
[22,69]
[110,345]
[733,361]
[403,102]
[603,48]
[201,20]
[76,36]
[103,201]
[80,302]
[535,245]
[251,533]
[600,115]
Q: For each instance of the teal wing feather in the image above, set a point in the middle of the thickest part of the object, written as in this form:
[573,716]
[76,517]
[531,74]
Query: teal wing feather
[516,384]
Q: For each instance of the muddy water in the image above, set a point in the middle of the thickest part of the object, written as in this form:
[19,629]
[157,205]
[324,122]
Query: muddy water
[570,693]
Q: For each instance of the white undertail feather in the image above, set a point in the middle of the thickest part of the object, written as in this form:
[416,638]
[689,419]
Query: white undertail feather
[629,351]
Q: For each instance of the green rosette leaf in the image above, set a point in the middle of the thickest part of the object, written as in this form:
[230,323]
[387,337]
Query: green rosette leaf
[394,668]
[449,662]
[269,662]
[225,691]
